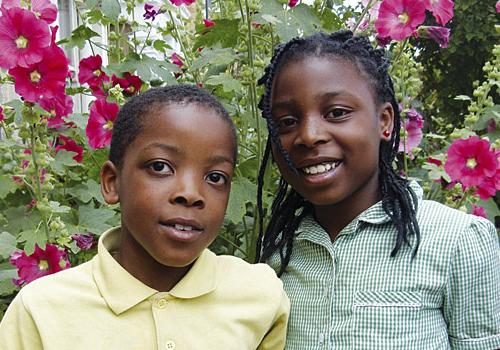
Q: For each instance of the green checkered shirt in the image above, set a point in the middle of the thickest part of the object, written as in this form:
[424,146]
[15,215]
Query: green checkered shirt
[350,294]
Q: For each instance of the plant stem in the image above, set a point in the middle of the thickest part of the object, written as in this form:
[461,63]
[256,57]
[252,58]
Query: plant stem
[363,14]
[147,37]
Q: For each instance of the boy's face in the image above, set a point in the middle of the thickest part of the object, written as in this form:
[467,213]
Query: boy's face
[174,181]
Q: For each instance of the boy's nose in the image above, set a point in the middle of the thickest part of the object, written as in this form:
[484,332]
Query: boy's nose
[188,192]
[311,132]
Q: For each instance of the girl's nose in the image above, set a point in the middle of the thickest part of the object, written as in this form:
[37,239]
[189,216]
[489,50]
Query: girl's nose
[188,192]
[311,132]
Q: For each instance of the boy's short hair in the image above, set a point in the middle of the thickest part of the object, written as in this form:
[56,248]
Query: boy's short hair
[128,123]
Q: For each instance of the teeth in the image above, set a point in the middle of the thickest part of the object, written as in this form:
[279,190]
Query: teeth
[319,169]
[182,227]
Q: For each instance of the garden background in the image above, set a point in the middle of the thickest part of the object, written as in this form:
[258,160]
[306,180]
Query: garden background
[66,69]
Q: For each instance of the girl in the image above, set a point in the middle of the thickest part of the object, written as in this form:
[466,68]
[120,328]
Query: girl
[366,262]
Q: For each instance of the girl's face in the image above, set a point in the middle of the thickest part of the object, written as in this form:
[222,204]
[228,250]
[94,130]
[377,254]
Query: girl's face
[173,185]
[329,123]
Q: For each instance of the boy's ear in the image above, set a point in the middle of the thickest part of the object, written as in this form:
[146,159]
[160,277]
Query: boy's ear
[386,118]
[109,182]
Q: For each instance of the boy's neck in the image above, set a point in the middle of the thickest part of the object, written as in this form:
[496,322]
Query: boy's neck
[140,264]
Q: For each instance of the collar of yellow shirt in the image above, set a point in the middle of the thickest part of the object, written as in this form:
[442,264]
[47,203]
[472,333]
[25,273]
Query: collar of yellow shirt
[122,291]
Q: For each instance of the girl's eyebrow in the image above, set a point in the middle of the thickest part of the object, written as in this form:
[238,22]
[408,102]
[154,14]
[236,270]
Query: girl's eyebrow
[320,97]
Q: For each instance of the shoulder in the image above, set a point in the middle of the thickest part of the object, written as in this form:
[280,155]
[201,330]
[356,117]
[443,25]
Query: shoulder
[54,289]
[258,279]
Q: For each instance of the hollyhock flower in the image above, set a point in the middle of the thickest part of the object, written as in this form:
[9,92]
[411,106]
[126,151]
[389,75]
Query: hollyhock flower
[130,84]
[176,60]
[497,6]
[471,161]
[151,10]
[293,3]
[479,211]
[70,145]
[40,263]
[100,124]
[487,188]
[413,125]
[84,241]
[90,72]
[441,35]
[208,23]
[441,9]
[2,117]
[398,19]
[180,2]
[45,79]
[43,9]
[23,38]
[58,107]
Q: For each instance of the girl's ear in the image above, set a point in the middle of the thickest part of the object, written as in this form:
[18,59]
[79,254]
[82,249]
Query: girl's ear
[386,119]
[109,182]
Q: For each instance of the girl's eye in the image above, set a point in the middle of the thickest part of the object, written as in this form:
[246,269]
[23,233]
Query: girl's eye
[216,178]
[161,168]
[337,113]
[286,122]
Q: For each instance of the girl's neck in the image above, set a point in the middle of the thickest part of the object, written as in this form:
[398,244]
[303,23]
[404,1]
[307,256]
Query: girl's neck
[140,264]
[335,217]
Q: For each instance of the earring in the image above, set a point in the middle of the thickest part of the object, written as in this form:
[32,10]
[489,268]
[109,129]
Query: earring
[386,133]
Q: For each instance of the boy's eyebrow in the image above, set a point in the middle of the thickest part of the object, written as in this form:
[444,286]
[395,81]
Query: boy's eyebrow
[177,150]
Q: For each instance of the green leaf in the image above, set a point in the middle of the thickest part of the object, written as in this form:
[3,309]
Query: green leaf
[330,21]
[6,186]
[242,192]
[7,287]
[19,219]
[80,35]
[111,9]
[227,81]
[63,159]
[80,120]
[58,208]
[85,192]
[7,244]
[214,57]
[32,237]
[224,34]
[94,220]
[491,209]
[270,18]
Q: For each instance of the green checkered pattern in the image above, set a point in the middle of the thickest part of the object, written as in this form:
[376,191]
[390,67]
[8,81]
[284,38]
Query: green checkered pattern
[350,294]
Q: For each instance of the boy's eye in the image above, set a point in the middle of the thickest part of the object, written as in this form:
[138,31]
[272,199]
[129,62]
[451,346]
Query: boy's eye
[336,113]
[217,178]
[160,167]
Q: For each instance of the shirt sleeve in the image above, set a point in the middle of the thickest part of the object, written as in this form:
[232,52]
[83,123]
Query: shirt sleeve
[18,331]
[275,338]
[472,301]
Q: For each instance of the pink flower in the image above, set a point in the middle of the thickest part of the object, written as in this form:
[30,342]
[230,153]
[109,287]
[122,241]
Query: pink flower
[40,263]
[208,23]
[441,9]
[70,145]
[151,10]
[488,187]
[42,9]
[176,60]
[130,84]
[293,3]
[23,38]
[180,2]
[90,72]
[398,19]
[84,241]
[497,6]
[413,125]
[59,106]
[471,161]
[441,35]
[2,117]
[100,124]
[45,79]
[479,211]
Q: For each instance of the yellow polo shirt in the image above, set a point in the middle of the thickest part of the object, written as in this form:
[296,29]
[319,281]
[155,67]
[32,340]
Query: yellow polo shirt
[222,303]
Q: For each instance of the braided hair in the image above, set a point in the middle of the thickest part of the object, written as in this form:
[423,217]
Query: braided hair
[289,207]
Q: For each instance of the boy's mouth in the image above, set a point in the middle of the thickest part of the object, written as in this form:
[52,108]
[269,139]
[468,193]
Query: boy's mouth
[182,224]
